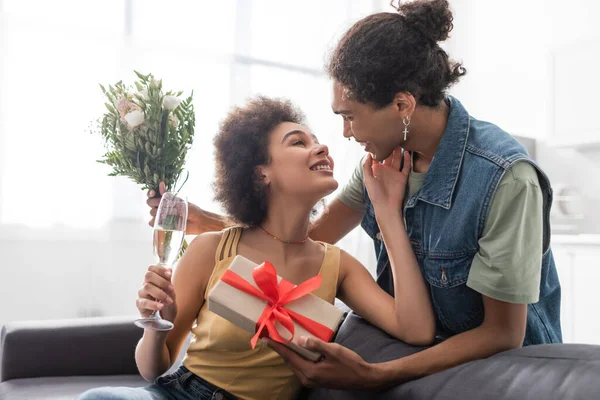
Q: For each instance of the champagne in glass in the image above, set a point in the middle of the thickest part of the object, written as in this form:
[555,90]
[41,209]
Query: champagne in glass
[167,244]
[169,232]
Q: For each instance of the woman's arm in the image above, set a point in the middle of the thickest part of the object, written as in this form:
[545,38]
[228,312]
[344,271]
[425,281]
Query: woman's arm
[409,316]
[414,320]
[156,351]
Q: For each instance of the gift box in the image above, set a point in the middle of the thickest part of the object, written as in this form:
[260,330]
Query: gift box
[255,299]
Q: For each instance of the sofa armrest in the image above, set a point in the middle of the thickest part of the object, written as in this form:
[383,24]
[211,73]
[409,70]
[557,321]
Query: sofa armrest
[84,346]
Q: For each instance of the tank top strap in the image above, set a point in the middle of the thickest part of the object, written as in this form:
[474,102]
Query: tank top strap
[330,272]
[228,245]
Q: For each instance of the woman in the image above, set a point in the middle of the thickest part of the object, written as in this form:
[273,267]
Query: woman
[271,171]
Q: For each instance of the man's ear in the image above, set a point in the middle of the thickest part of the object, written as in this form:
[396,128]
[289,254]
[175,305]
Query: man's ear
[405,103]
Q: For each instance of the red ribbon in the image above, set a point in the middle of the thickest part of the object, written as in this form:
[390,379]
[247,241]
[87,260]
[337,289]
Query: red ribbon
[277,295]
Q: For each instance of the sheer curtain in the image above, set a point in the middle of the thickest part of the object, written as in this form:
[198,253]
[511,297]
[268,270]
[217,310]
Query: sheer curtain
[75,241]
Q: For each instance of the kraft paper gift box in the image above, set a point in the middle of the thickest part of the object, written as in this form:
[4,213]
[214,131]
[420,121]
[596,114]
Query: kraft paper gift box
[245,310]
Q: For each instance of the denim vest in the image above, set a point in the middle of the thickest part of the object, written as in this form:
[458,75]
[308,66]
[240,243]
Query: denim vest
[445,220]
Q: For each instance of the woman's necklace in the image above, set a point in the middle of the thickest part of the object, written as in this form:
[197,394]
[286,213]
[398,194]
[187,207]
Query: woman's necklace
[281,240]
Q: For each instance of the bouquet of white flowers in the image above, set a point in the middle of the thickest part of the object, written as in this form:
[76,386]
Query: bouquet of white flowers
[147,132]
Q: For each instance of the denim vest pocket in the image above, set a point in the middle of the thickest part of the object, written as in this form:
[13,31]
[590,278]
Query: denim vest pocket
[459,308]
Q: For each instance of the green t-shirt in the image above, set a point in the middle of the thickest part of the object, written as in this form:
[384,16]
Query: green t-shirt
[508,265]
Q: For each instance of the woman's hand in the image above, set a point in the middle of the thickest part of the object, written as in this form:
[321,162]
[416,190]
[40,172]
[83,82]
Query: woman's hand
[385,183]
[157,293]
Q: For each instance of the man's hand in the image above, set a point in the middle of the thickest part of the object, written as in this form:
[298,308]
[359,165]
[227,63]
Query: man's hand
[195,225]
[340,368]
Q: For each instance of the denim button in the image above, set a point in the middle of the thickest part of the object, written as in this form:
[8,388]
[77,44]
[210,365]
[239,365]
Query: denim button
[378,236]
[218,396]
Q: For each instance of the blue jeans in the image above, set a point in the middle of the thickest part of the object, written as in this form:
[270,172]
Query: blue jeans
[181,385]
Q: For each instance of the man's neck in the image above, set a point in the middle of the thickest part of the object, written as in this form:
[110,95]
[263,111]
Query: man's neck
[429,125]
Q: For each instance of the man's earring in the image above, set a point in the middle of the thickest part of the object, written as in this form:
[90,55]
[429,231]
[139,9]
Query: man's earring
[406,122]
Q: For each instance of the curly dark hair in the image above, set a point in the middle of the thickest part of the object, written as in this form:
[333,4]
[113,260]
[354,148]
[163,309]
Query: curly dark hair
[387,53]
[241,145]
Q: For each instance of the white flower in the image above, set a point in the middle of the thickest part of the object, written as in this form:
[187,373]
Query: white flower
[134,118]
[144,94]
[171,102]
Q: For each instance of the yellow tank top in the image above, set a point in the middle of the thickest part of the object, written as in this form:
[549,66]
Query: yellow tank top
[220,352]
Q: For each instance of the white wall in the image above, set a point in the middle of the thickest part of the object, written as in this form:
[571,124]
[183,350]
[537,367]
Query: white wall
[504,46]
[66,273]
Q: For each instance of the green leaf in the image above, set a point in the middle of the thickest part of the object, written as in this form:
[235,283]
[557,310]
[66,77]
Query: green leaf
[110,107]
[141,76]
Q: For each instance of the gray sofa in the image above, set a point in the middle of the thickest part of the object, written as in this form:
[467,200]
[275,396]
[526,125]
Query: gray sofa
[61,359]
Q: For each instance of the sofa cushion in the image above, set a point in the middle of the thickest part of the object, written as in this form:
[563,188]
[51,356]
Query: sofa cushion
[86,346]
[545,372]
[62,388]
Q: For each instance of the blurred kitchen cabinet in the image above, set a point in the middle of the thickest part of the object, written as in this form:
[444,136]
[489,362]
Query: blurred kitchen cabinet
[578,263]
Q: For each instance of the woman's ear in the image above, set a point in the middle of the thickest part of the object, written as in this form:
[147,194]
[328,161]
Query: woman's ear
[262,173]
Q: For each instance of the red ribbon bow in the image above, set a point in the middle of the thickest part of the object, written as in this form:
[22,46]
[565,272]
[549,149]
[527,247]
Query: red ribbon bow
[277,295]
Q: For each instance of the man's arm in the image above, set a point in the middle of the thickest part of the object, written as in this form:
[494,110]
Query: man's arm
[502,329]
[341,368]
[199,221]
[336,222]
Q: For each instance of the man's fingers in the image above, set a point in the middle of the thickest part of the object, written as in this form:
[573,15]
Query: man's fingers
[289,355]
[319,346]
[153,201]
[280,349]
[162,189]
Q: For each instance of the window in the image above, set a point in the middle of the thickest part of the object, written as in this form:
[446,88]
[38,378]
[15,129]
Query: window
[55,198]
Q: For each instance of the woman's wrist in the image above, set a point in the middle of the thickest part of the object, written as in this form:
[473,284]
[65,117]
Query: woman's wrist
[155,338]
[384,215]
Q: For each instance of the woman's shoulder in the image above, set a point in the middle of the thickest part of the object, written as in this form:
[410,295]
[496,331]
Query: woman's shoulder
[198,260]
[214,238]
[206,245]
[207,239]
[346,260]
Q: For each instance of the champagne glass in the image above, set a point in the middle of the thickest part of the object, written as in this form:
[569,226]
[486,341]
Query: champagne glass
[169,232]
